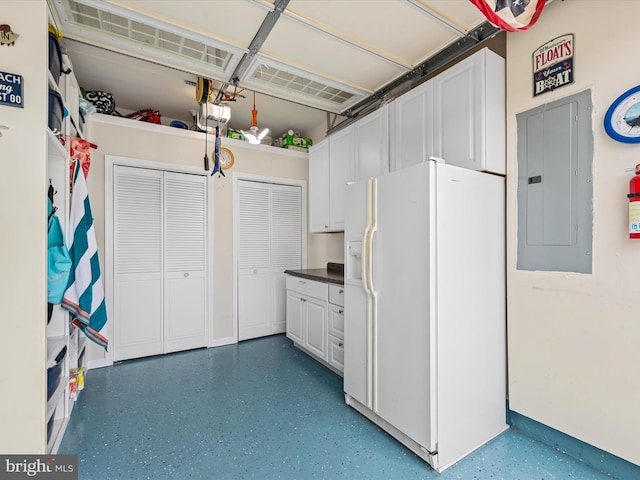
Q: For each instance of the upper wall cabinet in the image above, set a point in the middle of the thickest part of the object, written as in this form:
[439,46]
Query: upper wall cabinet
[411,127]
[331,166]
[371,154]
[341,171]
[458,115]
[319,187]
[469,113]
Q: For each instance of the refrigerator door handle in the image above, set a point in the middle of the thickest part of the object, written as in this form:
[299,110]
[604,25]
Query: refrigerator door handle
[365,235]
[366,265]
[373,317]
[373,228]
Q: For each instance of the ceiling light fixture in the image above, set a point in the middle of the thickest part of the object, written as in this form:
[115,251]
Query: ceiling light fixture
[254,137]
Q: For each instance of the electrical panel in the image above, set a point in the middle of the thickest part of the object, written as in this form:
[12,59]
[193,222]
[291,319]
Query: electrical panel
[555,186]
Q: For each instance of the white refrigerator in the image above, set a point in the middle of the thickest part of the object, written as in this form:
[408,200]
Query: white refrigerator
[425,313]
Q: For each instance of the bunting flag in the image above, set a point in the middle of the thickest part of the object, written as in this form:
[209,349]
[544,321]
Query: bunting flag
[84,297]
[511,15]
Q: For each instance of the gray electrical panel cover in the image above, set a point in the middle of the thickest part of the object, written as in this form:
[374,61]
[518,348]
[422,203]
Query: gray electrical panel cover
[555,186]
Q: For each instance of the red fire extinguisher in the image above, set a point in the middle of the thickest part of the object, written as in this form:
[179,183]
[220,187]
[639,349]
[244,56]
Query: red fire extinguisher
[634,205]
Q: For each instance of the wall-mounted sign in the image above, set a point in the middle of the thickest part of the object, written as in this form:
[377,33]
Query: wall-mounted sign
[7,37]
[553,64]
[11,89]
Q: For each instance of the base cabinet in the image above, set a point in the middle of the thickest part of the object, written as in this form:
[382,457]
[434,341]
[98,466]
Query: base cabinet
[314,323]
[315,311]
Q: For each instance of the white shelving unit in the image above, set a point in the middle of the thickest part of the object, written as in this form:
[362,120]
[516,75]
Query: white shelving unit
[61,334]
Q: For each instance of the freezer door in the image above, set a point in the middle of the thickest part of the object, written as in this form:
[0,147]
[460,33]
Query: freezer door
[356,380]
[403,274]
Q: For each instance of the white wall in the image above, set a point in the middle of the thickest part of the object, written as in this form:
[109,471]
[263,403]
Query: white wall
[574,340]
[168,145]
[23,224]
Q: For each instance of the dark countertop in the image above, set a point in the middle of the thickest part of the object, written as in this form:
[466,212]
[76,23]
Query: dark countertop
[319,275]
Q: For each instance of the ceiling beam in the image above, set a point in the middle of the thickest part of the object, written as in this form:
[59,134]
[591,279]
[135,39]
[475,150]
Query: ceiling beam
[254,47]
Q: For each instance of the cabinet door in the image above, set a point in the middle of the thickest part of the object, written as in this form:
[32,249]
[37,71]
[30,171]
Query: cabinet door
[286,247]
[411,127]
[185,296]
[336,321]
[336,353]
[341,166]
[372,144]
[469,113]
[254,253]
[295,329]
[316,327]
[458,114]
[319,187]
[137,254]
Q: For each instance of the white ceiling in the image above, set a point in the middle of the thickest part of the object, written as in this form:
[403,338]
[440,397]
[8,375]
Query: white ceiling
[354,47]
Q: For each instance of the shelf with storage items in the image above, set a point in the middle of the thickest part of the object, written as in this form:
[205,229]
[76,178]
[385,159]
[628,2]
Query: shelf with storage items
[65,344]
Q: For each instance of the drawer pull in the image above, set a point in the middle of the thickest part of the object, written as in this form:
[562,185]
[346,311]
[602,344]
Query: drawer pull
[340,312]
[341,345]
[340,291]
[302,281]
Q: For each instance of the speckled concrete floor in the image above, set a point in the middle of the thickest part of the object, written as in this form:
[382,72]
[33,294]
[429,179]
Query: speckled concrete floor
[261,410]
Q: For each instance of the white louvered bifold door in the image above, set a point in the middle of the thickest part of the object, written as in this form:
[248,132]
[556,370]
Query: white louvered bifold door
[254,234]
[137,224]
[185,261]
[286,247]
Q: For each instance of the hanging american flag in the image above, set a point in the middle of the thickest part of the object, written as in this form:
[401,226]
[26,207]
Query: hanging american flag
[511,15]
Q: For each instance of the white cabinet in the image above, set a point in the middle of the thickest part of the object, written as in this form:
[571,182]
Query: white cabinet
[319,187]
[315,315]
[356,152]
[315,320]
[469,113]
[341,171]
[411,127]
[330,168]
[307,315]
[295,314]
[336,327]
[458,115]
[371,150]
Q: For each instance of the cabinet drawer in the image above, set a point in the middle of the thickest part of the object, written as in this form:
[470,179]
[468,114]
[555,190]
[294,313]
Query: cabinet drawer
[336,294]
[336,321]
[310,288]
[336,353]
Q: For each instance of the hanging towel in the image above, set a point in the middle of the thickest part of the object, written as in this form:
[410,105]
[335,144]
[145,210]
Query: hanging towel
[84,297]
